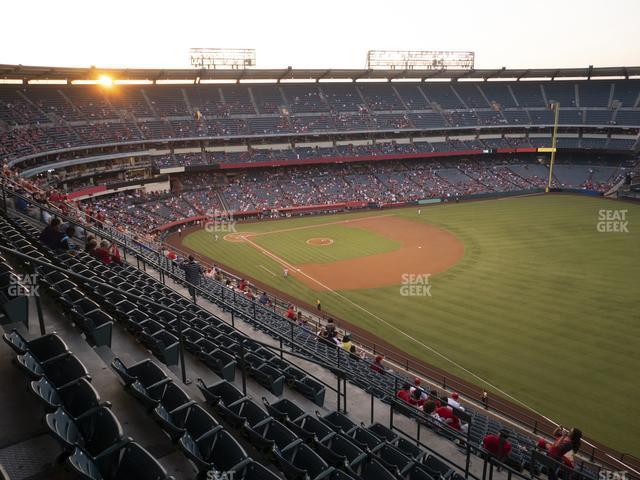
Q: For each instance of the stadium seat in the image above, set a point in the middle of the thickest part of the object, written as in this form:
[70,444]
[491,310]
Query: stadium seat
[172,410]
[338,450]
[311,426]
[364,438]
[123,461]
[392,458]
[219,361]
[370,469]
[215,450]
[383,432]
[94,431]
[298,461]
[60,370]
[437,467]
[269,432]
[76,398]
[42,348]
[252,470]
[410,449]
[96,325]
[221,392]
[283,410]
[338,421]
[146,372]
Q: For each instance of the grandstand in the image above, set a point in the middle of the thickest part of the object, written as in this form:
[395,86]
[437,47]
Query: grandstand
[142,380]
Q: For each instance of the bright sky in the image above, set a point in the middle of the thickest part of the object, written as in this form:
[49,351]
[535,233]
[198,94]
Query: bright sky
[326,33]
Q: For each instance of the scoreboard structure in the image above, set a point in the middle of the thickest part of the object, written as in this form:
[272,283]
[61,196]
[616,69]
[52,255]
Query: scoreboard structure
[420,59]
[212,58]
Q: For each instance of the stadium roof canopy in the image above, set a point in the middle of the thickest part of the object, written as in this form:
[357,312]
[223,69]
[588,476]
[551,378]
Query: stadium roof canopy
[30,73]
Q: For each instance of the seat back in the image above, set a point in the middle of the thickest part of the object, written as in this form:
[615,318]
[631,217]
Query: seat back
[173,397]
[45,391]
[29,364]
[284,408]
[255,471]
[133,462]
[63,370]
[83,464]
[64,429]
[224,451]
[100,430]
[199,421]
[16,341]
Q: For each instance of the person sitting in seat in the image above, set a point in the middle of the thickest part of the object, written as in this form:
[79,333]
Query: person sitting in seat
[377,365]
[497,445]
[51,235]
[404,394]
[65,242]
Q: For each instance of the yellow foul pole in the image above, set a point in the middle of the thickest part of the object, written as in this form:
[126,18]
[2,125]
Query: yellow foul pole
[556,108]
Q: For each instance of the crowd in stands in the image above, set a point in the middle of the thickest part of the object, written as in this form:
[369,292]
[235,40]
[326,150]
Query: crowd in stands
[377,183]
[38,118]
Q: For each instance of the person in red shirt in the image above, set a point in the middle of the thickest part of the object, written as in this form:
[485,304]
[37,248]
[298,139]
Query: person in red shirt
[497,445]
[404,394]
[377,364]
[291,315]
[446,415]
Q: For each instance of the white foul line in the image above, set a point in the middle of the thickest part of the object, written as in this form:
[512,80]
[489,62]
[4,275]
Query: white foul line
[265,268]
[401,332]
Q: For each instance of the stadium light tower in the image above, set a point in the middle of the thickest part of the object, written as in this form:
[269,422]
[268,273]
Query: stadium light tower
[420,59]
[212,58]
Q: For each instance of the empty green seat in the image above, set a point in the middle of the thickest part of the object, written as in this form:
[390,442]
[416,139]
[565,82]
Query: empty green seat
[94,431]
[124,461]
[41,348]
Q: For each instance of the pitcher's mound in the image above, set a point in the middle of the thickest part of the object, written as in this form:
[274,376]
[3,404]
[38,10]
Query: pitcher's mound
[320,242]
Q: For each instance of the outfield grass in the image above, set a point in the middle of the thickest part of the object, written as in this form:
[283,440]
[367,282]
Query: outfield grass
[542,305]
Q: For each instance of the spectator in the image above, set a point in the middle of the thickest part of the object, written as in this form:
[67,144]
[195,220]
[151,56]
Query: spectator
[104,253]
[429,407]
[445,414]
[497,445]
[264,299]
[563,448]
[290,313]
[404,394]
[51,235]
[90,245]
[353,352]
[65,242]
[377,365]
[330,326]
[454,401]
[346,342]
[192,273]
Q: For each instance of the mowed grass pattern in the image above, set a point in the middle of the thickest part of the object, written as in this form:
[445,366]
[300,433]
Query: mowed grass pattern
[542,305]
[348,242]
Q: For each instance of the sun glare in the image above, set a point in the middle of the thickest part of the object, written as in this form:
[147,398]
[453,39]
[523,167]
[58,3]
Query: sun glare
[105,81]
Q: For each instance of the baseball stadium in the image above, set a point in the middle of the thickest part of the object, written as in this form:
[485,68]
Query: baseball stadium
[417,270]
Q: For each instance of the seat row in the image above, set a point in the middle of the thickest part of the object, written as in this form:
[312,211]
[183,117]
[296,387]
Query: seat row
[211,448]
[91,437]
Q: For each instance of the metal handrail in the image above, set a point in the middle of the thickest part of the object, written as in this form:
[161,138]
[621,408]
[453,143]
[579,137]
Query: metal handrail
[603,457]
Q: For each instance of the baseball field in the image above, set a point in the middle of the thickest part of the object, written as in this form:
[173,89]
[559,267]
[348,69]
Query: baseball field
[538,296]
